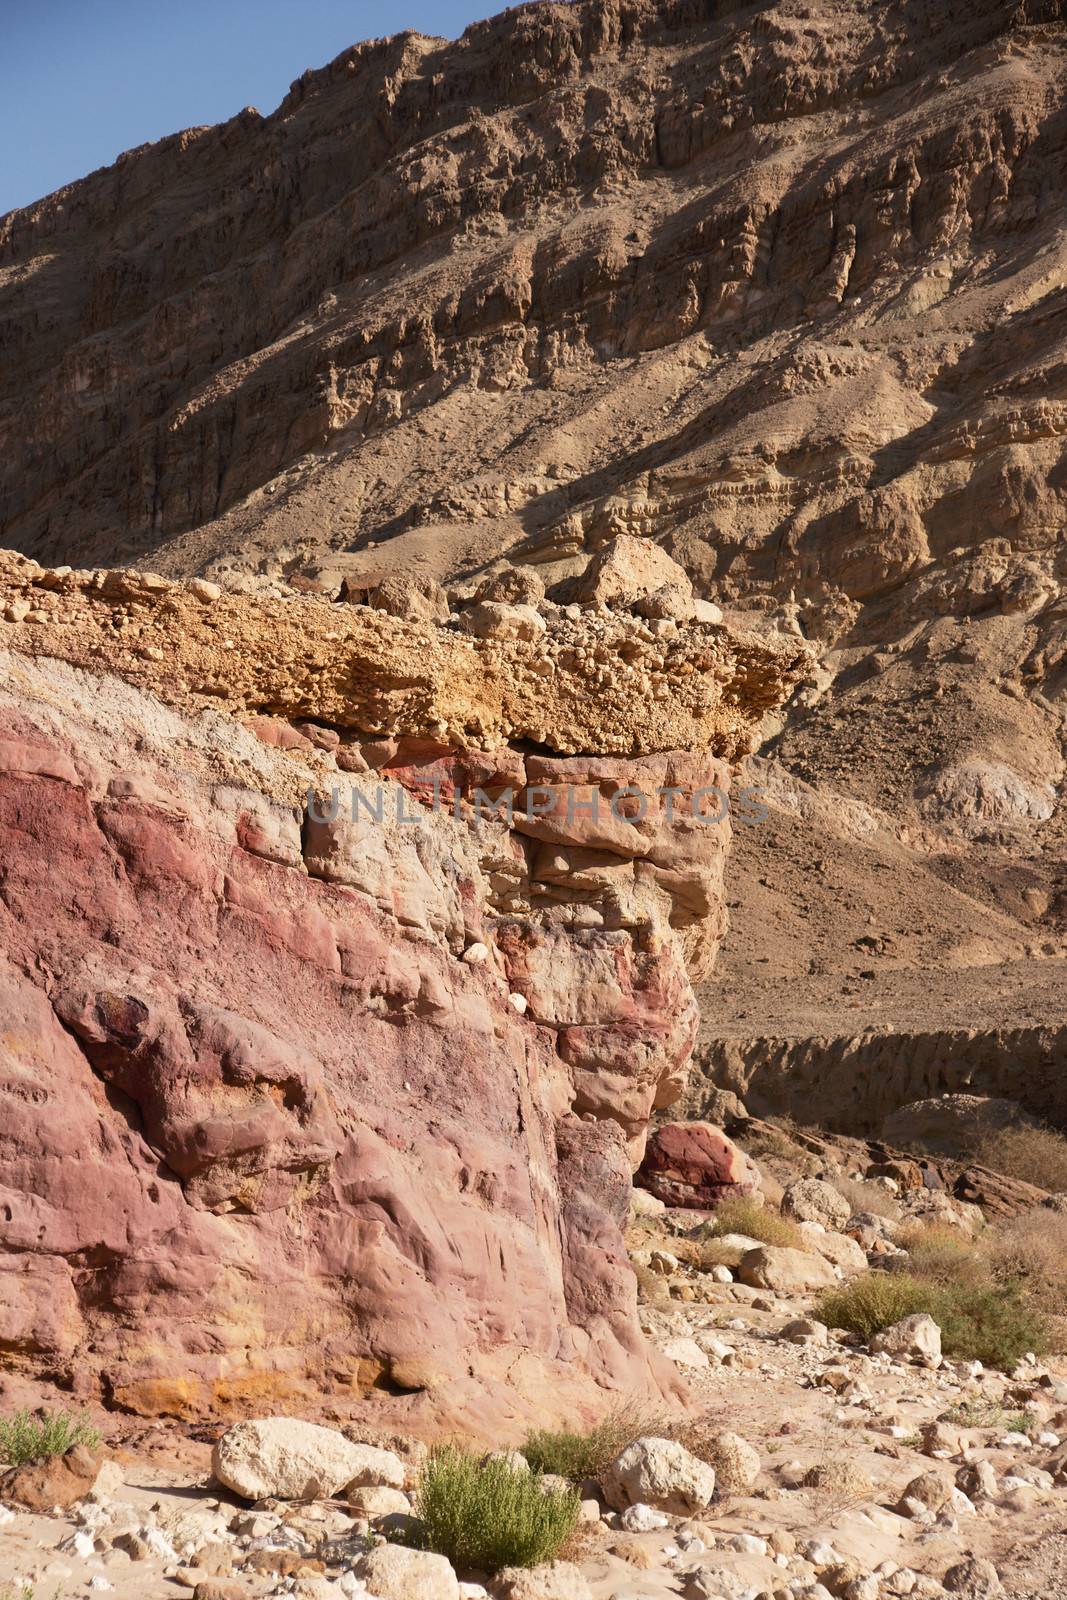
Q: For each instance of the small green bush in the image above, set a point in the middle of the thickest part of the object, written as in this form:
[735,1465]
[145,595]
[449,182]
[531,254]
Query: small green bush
[484,1514]
[872,1302]
[988,1322]
[745,1216]
[988,1414]
[979,1320]
[26,1437]
[577,1456]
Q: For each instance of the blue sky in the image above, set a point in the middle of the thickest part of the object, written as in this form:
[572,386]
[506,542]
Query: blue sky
[83,80]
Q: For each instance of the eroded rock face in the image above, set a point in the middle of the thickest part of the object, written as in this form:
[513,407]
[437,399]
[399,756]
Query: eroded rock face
[326,1093]
[270,1108]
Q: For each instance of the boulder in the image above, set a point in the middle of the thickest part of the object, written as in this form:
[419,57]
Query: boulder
[915,1338]
[555,1580]
[694,1165]
[660,1473]
[488,619]
[392,1572]
[413,598]
[629,570]
[975,1579]
[952,1124]
[52,1481]
[785,1271]
[283,1458]
[811,1200]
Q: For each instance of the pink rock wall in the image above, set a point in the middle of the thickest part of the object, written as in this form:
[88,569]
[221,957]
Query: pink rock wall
[266,1134]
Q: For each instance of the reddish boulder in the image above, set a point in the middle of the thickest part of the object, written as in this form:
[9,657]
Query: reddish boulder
[52,1481]
[694,1165]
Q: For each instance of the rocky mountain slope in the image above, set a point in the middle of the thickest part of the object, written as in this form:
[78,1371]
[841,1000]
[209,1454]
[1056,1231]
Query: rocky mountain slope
[779,287]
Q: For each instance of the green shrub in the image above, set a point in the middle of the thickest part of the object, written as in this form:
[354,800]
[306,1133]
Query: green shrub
[746,1216]
[872,1302]
[484,1514]
[980,1320]
[577,1456]
[988,1322]
[988,1414]
[28,1437]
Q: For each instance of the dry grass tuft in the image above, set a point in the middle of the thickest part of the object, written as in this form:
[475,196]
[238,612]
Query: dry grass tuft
[757,1222]
[1031,1251]
[1035,1155]
[868,1197]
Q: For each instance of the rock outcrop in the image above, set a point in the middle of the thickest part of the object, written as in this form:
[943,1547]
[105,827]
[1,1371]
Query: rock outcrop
[322,1069]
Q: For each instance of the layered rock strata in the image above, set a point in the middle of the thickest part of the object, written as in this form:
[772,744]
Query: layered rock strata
[339,1103]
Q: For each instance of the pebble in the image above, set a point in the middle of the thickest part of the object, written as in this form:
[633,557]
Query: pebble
[642,1519]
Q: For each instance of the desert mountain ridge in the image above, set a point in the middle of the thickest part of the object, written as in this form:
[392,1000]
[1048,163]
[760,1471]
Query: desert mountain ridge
[778,287]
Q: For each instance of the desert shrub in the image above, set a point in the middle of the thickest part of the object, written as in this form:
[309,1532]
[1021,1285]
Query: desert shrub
[988,1322]
[873,1301]
[941,1253]
[988,1414]
[486,1514]
[29,1437]
[1031,1252]
[980,1319]
[741,1215]
[868,1197]
[1036,1155]
[577,1455]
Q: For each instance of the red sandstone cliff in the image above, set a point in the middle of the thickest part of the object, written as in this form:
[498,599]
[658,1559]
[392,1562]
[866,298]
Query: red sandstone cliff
[309,1109]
